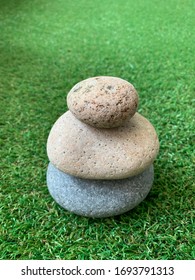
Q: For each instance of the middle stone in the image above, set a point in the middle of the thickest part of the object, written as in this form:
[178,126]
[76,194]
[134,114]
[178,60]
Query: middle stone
[87,152]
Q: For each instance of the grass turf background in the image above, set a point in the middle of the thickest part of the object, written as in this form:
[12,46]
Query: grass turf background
[45,48]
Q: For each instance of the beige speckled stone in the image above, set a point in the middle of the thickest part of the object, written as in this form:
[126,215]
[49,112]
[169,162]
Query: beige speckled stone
[115,153]
[103,101]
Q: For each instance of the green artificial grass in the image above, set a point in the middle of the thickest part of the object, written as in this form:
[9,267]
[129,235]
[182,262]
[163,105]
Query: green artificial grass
[45,48]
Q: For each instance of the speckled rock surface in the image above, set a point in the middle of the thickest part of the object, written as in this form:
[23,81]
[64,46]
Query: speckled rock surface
[114,153]
[98,198]
[103,101]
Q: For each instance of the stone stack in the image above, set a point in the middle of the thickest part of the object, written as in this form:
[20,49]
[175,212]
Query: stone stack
[101,151]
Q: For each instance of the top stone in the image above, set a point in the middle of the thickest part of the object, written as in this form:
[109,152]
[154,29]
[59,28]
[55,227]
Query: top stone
[103,102]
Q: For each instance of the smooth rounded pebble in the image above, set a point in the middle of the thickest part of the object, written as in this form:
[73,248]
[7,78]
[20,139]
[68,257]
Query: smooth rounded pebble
[98,198]
[84,151]
[103,101]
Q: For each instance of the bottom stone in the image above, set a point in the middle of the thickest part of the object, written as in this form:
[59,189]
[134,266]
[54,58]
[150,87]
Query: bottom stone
[98,198]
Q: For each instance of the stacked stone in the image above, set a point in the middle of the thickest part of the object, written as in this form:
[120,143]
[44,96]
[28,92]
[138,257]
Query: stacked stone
[101,151]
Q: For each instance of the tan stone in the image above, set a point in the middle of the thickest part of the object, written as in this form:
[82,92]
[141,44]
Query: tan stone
[115,153]
[103,101]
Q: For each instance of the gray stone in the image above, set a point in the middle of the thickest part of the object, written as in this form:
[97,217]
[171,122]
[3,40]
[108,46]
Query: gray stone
[98,198]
